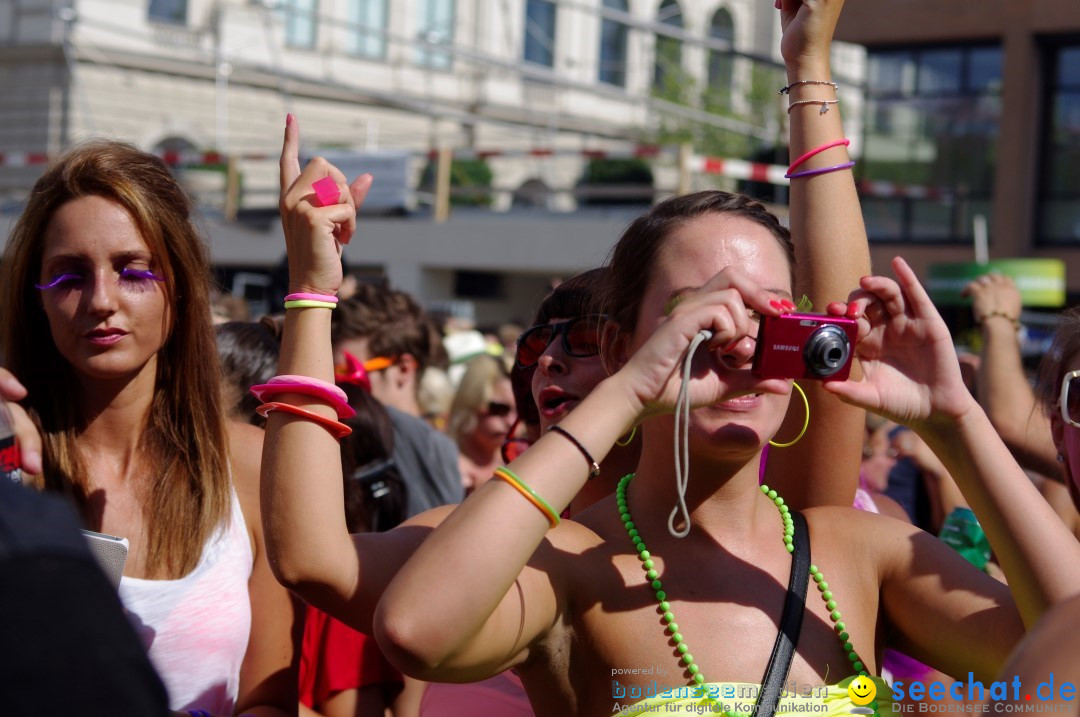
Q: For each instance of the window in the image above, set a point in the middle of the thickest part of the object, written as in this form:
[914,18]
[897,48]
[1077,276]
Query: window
[366,33]
[301,20]
[170,11]
[614,37]
[932,117]
[435,29]
[721,62]
[667,72]
[1059,198]
[540,32]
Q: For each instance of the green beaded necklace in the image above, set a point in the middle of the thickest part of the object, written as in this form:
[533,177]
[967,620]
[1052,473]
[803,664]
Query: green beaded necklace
[687,659]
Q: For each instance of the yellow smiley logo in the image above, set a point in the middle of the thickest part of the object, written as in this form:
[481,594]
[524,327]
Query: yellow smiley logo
[862,690]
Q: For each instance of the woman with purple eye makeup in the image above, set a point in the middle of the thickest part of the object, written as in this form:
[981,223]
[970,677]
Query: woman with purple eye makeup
[106,323]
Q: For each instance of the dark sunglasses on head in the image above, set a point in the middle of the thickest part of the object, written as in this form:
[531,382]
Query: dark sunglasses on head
[498,409]
[580,339]
[514,447]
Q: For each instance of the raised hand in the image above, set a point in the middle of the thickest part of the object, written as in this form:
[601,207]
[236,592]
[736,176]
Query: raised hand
[26,434]
[314,235]
[911,374]
[721,366]
[994,295]
[808,27]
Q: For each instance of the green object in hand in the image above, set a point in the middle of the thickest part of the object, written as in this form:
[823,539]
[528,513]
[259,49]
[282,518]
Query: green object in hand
[962,532]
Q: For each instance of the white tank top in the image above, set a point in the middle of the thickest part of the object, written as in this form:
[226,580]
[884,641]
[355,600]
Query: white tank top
[196,629]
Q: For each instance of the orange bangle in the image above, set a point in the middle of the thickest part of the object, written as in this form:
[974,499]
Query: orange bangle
[504,474]
[337,429]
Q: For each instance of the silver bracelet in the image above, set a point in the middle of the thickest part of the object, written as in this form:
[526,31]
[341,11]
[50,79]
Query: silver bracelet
[787,90]
[824,104]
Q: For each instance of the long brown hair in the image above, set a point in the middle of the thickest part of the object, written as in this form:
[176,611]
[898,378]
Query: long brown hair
[188,494]
[631,261]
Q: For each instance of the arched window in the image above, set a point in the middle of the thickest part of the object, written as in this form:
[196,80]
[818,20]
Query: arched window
[668,66]
[613,45]
[434,28]
[540,32]
[721,62]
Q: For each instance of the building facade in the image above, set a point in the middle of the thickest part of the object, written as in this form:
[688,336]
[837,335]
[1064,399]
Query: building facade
[505,78]
[979,102]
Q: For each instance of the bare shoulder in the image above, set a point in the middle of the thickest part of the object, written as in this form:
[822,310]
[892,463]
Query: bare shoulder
[876,537]
[245,459]
[891,508]
[582,550]
[843,522]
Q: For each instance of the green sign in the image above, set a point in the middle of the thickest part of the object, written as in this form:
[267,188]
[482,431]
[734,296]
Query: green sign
[1041,281]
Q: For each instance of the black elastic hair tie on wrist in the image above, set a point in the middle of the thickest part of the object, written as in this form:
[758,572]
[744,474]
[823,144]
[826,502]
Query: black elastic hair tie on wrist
[594,467]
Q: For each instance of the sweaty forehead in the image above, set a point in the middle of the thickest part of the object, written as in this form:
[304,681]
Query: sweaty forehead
[701,248]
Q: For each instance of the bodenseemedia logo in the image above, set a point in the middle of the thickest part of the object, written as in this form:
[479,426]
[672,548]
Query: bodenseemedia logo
[1000,696]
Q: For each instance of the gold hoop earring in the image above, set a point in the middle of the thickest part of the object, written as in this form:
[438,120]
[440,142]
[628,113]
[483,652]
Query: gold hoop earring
[625,442]
[806,421]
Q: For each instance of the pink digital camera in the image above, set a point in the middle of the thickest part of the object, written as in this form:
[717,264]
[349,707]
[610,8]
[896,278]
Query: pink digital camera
[813,346]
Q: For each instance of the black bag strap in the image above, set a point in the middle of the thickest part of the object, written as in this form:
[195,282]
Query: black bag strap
[772,684]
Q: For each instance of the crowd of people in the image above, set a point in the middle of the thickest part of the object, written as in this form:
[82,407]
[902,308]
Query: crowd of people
[336,510]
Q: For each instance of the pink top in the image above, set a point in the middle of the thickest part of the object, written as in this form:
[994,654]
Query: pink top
[498,696]
[196,628]
[864,501]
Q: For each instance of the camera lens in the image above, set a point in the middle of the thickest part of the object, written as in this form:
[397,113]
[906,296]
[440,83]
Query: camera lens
[826,351]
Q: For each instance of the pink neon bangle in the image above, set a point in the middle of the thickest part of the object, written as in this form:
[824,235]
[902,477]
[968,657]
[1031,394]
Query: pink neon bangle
[301,296]
[817,150]
[309,387]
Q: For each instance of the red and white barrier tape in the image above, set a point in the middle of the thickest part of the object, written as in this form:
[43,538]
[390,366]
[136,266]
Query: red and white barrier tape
[723,166]
[640,152]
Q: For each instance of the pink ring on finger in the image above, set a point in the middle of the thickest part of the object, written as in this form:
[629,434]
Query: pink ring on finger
[326,191]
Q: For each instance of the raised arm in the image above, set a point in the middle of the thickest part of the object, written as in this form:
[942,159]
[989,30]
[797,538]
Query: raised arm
[1003,389]
[912,376]
[498,593]
[832,255]
[307,539]
[308,544]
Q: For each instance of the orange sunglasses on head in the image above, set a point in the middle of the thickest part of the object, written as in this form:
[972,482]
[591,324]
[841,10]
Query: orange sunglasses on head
[356,372]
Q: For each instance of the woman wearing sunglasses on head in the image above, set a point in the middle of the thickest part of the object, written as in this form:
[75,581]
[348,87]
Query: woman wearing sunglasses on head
[481,418]
[1005,392]
[1059,392]
[560,357]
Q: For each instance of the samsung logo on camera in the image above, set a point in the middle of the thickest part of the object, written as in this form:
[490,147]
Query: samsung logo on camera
[786,347]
